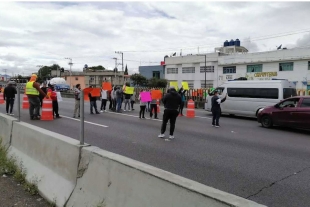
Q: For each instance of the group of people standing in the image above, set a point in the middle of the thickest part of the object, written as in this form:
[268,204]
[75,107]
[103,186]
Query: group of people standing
[173,103]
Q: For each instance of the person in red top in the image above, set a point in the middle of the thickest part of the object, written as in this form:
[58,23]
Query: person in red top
[53,96]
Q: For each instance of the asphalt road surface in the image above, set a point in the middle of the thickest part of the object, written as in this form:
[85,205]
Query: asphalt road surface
[269,166]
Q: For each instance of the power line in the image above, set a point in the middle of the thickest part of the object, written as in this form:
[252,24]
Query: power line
[213,44]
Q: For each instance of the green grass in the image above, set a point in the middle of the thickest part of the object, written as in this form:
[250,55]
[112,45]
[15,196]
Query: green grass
[9,166]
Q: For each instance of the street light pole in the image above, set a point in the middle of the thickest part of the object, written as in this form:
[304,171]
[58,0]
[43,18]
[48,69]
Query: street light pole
[205,71]
[115,68]
[70,63]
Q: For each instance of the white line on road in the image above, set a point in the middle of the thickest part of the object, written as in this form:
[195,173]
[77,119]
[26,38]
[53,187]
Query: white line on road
[85,121]
[131,115]
[203,117]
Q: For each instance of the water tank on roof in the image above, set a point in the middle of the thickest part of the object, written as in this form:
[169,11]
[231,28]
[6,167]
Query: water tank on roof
[226,43]
[237,42]
[232,43]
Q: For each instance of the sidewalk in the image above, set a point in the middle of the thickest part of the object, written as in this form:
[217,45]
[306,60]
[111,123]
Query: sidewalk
[13,194]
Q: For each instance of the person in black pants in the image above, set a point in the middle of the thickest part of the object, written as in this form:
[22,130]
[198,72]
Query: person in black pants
[216,108]
[44,89]
[93,103]
[9,97]
[182,94]
[172,100]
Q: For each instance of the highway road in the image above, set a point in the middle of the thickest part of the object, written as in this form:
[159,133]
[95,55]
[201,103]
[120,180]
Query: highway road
[269,166]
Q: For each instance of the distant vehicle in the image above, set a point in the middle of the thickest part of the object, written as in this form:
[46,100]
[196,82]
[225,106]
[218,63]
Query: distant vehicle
[60,84]
[292,112]
[246,98]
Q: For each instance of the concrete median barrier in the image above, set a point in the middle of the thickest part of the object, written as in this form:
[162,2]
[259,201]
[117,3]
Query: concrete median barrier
[6,125]
[50,160]
[113,180]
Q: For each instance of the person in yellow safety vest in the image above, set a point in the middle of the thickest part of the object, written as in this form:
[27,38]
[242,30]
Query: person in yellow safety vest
[33,91]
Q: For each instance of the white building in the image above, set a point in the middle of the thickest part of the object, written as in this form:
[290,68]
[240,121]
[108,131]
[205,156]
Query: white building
[291,64]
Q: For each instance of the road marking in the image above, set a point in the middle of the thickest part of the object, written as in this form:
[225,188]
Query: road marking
[85,121]
[203,117]
[131,115]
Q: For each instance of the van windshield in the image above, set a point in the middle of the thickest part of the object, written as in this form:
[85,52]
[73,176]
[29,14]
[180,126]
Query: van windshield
[289,92]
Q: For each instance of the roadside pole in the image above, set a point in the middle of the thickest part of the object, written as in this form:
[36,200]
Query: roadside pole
[82,118]
[18,102]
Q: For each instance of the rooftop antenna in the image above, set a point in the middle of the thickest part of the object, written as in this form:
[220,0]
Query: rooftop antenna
[278,48]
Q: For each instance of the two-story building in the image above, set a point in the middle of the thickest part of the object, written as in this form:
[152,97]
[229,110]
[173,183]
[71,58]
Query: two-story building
[223,65]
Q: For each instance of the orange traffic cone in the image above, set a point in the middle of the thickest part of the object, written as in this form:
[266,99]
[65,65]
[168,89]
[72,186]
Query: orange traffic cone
[190,112]
[1,98]
[157,102]
[47,110]
[25,101]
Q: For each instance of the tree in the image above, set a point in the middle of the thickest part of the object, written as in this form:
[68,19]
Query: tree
[95,68]
[126,70]
[138,80]
[157,83]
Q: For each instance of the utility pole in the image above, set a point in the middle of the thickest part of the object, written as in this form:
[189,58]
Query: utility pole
[40,74]
[5,74]
[205,69]
[119,52]
[70,63]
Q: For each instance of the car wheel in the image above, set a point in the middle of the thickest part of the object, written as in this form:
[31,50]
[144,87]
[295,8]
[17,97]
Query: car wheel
[266,121]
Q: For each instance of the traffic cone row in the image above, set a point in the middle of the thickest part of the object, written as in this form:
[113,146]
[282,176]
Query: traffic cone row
[157,102]
[1,98]
[190,112]
[47,110]
[25,101]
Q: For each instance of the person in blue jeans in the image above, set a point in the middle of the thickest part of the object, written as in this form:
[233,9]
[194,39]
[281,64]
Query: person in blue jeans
[119,95]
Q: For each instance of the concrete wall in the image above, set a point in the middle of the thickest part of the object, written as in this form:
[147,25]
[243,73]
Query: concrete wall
[49,158]
[6,125]
[75,175]
[120,181]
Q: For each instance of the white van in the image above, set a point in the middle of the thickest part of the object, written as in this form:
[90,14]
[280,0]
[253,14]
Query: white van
[246,98]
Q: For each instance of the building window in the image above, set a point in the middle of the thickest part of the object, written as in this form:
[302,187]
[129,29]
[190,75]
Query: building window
[209,84]
[76,78]
[188,70]
[308,65]
[286,66]
[209,69]
[190,83]
[230,69]
[172,70]
[156,74]
[254,68]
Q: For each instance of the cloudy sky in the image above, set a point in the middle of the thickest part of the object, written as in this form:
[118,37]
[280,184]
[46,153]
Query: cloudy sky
[43,33]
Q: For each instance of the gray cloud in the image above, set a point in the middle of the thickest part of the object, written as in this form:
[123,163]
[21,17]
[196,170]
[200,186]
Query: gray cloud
[90,32]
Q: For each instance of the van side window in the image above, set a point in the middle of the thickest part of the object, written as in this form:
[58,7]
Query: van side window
[267,93]
[305,102]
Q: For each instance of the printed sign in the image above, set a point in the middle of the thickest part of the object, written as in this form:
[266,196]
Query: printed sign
[145,96]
